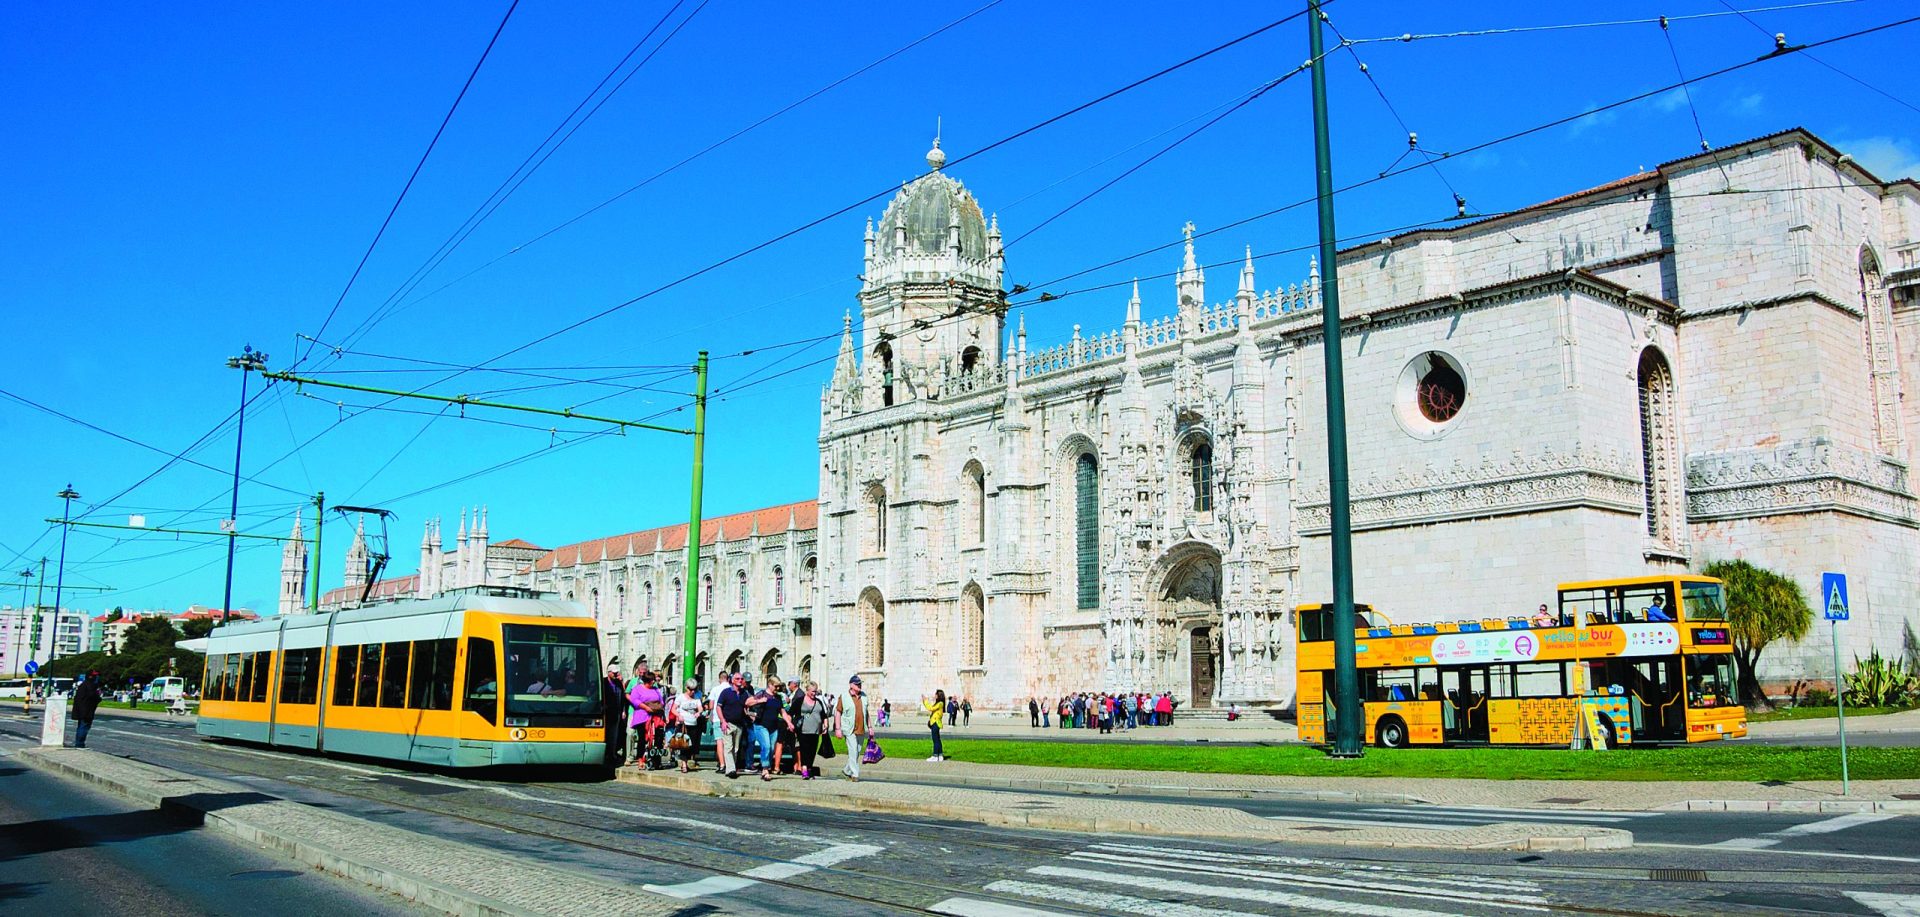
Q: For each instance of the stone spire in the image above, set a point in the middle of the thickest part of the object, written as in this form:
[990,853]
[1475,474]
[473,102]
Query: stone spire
[356,575]
[423,585]
[293,572]
[1191,282]
[1246,295]
[842,391]
[477,544]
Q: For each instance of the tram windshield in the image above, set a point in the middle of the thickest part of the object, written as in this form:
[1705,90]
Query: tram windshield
[552,669]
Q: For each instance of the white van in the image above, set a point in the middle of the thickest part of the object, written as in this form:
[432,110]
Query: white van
[164,689]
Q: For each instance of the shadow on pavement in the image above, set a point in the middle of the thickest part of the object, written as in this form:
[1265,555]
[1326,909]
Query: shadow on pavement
[29,839]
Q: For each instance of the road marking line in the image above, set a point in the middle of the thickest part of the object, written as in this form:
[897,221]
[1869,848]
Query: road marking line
[1886,904]
[1260,895]
[653,816]
[713,885]
[1112,903]
[1800,853]
[1504,815]
[1282,878]
[1481,810]
[1831,825]
[1367,871]
[1746,843]
[974,907]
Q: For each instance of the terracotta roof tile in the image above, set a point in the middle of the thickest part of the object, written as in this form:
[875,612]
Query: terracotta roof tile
[772,520]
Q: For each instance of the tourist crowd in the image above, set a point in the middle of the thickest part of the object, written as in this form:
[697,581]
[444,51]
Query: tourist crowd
[1102,710]
[779,728]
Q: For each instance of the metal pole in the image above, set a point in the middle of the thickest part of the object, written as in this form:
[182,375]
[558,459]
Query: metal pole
[60,578]
[20,628]
[1347,732]
[39,602]
[1840,707]
[692,624]
[313,557]
[233,517]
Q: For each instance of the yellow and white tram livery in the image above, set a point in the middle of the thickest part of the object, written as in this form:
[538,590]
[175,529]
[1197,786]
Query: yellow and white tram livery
[416,681]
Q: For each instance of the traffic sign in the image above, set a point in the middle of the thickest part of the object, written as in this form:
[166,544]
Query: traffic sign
[32,667]
[1833,588]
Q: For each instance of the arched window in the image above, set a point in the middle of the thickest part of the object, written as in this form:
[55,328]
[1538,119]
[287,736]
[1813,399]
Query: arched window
[679,596]
[740,586]
[808,579]
[877,527]
[872,615]
[969,359]
[973,504]
[770,667]
[1882,364]
[593,602]
[733,662]
[1658,450]
[620,601]
[779,588]
[1086,529]
[1200,472]
[973,626]
[668,670]
[706,592]
[646,597]
[885,354]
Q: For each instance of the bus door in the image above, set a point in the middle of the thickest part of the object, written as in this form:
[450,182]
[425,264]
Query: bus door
[1659,713]
[1464,709]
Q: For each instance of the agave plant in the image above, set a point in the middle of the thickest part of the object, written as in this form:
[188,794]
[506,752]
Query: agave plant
[1878,681]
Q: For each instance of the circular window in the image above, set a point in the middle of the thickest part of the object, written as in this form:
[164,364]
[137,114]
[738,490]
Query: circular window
[1431,392]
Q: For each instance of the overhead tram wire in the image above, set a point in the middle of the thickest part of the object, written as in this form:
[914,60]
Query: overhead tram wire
[488,50]
[709,149]
[1822,61]
[1378,90]
[527,167]
[1496,141]
[1687,92]
[1561,27]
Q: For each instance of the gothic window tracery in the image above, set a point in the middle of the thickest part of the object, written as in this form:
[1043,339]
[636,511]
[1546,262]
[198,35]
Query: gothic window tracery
[679,595]
[877,528]
[973,626]
[1200,473]
[1086,529]
[779,587]
[884,353]
[973,504]
[741,583]
[1658,450]
[706,592]
[873,629]
[808,578]
[646,599]
[969,359]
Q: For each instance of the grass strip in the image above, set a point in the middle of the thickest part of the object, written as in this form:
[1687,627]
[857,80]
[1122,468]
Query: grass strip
[1817,713]
[1732,761]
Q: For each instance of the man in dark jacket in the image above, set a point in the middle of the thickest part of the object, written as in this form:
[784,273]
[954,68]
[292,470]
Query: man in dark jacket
[613,698]
[86,699]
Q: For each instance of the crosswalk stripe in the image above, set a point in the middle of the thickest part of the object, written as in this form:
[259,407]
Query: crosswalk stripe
[1366,871]
[714,885]
[1403,888]
[1888,905]
[974,907]
[1260,895]
[1111,903]
[1831,825]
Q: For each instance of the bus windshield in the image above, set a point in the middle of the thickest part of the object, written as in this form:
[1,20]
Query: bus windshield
[552,670]
[1701,602]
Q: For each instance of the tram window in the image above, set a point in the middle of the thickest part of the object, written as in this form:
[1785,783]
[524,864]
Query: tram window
[299,672]
[229,689]
[552,670]
[431,685]
[393,684]
[483,682]
[367,692]
[210,679]
[244,687]
[262,670]
[346,663]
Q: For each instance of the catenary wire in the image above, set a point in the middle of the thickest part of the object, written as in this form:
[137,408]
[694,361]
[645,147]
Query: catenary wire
[1743,14]
[1515,30]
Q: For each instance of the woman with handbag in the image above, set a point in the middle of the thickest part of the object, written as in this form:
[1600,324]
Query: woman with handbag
[936,710]
[810,718]
[685,712]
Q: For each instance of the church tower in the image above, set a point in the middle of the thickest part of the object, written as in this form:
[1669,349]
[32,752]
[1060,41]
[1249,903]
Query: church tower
[356,575]
[931,306]
[293,572]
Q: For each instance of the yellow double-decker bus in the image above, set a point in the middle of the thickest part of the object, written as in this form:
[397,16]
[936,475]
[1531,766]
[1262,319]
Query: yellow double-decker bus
[1645,660]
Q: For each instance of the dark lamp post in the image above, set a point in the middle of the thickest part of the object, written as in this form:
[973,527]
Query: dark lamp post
[248,361]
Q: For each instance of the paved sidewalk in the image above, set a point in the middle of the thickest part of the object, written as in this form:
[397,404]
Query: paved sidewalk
[1822,796]
[1116,815]
[453,877]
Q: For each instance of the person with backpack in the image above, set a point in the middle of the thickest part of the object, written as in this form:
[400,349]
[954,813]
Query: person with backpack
[850,721]
[86,699]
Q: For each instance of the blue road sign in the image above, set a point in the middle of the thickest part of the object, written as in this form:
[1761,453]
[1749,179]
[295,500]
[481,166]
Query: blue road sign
[32,667]
[1833,593]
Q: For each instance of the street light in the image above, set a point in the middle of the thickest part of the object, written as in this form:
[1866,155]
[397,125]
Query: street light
[67,497]
[248,360]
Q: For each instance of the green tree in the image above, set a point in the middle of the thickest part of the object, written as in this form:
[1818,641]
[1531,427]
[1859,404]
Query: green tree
[195,628]
[1762,606]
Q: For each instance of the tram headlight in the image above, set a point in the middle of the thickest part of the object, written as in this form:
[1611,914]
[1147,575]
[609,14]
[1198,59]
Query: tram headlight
[595,724]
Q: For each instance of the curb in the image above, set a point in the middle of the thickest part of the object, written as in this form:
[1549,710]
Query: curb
[1807,806]
[1505,835]
[186,794]
[1117,787]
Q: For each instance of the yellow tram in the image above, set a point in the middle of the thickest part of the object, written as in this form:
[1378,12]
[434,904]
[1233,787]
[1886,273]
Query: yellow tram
[417,680]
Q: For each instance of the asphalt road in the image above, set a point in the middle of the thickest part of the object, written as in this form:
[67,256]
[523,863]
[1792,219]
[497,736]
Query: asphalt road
[757,857]
[65,849]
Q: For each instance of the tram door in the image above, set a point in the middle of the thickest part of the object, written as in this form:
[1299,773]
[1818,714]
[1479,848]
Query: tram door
[1464,710]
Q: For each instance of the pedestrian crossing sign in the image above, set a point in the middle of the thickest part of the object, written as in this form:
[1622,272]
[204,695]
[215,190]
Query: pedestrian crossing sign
[1833,586]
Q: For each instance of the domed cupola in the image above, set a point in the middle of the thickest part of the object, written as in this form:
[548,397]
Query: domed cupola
[933,227]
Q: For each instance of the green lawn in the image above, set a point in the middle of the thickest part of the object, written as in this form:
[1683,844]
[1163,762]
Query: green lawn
[1816,713]
[1713,761]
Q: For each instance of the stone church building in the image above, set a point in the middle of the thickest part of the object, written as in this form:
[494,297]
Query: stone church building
[1706,360]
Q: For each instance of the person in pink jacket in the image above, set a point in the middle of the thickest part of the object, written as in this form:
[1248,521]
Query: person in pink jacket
[647,702]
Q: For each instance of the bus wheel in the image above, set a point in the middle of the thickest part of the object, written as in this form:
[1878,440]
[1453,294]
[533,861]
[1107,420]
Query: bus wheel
[1391,732]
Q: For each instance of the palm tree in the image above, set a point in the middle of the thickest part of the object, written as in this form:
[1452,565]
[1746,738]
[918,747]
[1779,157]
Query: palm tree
[1762,606]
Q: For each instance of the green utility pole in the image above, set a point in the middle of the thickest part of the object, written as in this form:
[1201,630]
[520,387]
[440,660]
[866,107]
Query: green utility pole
[166,531]
[313,557]
[688,643]
[1347,733]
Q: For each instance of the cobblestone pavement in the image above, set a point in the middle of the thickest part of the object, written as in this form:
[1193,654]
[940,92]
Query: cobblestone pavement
[765,856]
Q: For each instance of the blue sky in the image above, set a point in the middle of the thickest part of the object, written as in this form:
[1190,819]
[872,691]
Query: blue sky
[181,181]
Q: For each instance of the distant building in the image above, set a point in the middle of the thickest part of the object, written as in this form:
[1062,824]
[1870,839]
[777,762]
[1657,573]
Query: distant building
[37,634]
[473,561]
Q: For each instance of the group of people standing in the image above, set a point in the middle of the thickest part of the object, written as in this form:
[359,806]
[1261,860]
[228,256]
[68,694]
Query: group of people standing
[1103,711]
[779,728]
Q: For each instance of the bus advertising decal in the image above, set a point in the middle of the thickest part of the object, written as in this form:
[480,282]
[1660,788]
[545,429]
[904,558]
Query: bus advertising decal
[1495,646]
[1650,639]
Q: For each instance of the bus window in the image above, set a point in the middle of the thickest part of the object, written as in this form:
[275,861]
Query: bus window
[1316,624]
[1701,602]
[393,682]
[1539,679]
[262,670]
[1710,680]
[483,684]
[1636,602]
[1387,684]
[1590,603]
[346,665]
[367,692]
